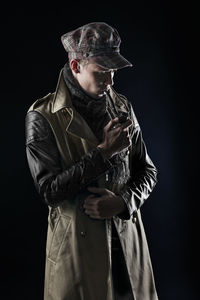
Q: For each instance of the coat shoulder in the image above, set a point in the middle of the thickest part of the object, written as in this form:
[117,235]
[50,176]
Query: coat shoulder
[41,102]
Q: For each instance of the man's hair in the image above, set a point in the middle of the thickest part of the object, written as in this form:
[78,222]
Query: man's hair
[83,61]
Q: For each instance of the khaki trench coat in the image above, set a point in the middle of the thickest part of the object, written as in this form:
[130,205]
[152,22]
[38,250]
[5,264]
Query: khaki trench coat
[78,249]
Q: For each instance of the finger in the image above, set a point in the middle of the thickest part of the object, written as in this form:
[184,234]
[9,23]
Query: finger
[124,137]
[90,212]
[128,143]
[127,124]
[125,133]
[90,208]
[125,142]
[111,124]
[91,201]
[96,190]
[96,217]
[90,197]
[93,214]
[126,130]
[88,205]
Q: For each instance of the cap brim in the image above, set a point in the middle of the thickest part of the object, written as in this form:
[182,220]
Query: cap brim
[111,61]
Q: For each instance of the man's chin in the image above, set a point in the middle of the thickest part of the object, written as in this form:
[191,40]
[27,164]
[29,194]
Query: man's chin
[99,95]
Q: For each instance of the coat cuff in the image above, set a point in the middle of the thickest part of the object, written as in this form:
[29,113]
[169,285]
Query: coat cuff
[97,165]
[131,204]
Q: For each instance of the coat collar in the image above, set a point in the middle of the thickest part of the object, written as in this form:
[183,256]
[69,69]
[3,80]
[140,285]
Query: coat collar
[76,124]
[62,97]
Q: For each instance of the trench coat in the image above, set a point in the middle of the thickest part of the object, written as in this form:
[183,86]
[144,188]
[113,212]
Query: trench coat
[78,248]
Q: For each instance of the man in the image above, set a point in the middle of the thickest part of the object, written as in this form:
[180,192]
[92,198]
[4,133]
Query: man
[89,163]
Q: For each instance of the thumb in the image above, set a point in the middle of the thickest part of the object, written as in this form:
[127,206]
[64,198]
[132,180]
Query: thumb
[96,190]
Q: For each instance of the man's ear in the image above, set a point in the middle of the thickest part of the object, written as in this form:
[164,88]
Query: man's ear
[75,65]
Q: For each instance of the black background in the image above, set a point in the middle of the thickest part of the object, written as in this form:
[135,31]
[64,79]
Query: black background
[160,39]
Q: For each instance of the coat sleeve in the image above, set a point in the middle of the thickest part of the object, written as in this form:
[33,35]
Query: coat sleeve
[143,172]
[54,183]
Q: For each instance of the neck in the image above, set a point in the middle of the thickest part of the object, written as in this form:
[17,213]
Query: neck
[76,79]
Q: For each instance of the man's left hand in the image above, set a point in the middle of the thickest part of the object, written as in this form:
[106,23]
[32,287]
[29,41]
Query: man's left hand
[105,205]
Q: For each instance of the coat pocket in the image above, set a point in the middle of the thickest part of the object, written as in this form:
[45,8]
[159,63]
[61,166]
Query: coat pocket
[58,238]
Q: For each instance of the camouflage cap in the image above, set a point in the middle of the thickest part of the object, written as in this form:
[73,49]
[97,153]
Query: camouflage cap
[97,41]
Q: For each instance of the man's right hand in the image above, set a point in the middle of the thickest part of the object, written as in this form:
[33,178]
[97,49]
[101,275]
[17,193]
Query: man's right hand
[116,137]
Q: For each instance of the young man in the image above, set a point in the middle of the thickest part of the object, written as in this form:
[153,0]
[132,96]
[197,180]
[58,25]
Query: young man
[89,163]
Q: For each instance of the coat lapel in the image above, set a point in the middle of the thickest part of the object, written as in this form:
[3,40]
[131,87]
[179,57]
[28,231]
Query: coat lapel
[75,124]
[80,128]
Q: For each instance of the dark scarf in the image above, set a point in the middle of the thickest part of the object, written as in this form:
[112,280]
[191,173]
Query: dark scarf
[94,111]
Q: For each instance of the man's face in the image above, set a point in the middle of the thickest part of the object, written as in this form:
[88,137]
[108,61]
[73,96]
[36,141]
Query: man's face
[95,80]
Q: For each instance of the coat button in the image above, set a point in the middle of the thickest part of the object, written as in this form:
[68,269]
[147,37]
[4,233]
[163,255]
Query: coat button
[53,214]
[83,233]
[127,152]
[134,220]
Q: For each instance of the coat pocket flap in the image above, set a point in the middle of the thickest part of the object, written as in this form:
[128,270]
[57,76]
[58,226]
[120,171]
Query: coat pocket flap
[59,236]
